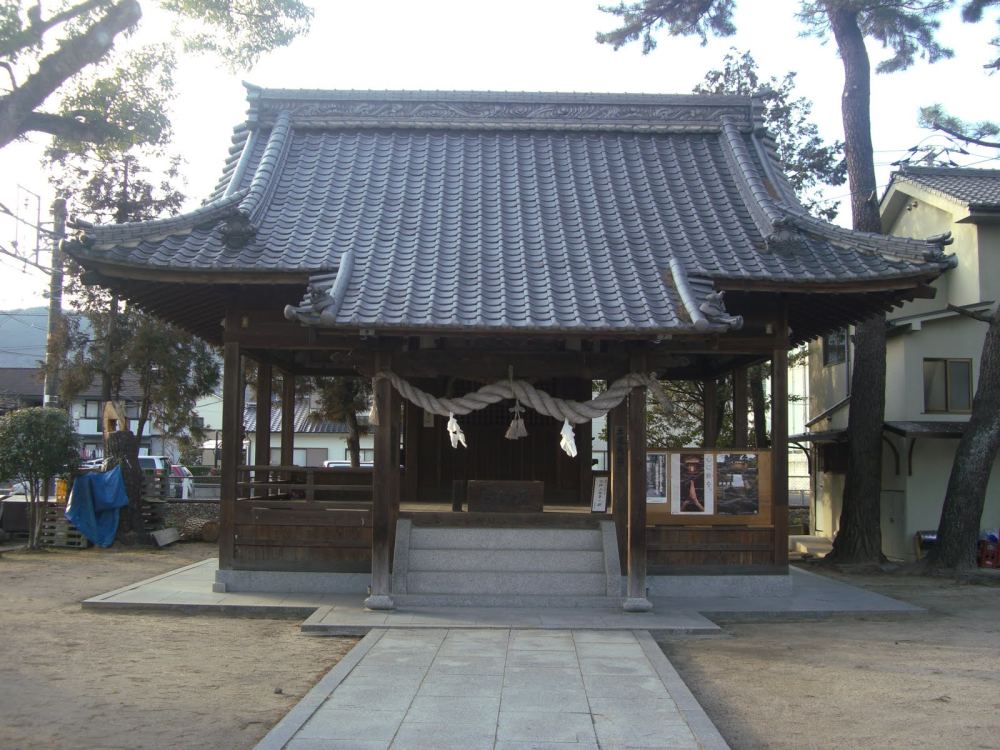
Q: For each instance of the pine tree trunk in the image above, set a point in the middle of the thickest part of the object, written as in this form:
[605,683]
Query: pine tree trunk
[859,539]
[353,438]
[123,450]
[958,529]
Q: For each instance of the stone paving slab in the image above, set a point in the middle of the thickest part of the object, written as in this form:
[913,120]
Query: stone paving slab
[365,702]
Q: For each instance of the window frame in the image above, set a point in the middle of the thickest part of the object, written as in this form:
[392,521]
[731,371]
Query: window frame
[835,356]
[948,408]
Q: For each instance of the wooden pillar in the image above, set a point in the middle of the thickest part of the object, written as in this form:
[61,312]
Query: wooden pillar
[740,407]
[262,433]
[232,439]
[635,600]
[618,473]
[385,492]
[287,418]
[710,413]
[779,454]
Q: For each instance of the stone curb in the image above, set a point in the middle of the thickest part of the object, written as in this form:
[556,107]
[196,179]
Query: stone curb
[302,711]
[701,725]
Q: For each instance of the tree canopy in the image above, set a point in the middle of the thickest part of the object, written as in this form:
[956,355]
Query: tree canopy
[64,77]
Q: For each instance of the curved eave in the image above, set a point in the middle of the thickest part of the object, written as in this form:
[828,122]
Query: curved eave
[175,275]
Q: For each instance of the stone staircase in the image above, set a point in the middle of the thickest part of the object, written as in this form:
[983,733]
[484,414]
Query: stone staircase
[506,567]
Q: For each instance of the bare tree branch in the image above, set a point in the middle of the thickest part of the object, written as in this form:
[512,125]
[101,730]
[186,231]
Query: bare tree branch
[37,27]
[76,128]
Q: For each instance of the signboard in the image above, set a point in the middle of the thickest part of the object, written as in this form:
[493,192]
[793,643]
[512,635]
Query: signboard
[599,498]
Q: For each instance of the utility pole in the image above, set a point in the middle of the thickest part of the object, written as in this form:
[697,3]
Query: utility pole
[51,391]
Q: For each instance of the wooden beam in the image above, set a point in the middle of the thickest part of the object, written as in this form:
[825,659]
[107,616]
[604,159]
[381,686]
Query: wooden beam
[585,446]
[636,600]
[618,471]
[262,435]
[779,454]
[287,418]
[232,440]
[740,422]
[385,492]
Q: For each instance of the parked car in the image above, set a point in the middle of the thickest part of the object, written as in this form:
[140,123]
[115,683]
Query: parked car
[181,482]
[158,466]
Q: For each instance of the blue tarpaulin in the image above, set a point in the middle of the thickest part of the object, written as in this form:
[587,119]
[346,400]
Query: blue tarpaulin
[94,502]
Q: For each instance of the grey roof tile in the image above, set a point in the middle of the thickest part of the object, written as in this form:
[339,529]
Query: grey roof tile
[977,188]
[508,211]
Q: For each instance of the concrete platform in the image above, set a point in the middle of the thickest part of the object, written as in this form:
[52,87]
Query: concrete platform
[189,589]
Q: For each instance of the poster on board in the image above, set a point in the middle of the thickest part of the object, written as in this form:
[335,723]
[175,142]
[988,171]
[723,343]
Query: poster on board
[737,482]
[692,484]
[656,478]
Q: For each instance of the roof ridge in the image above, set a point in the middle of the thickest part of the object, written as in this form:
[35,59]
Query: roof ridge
[263,182]
[477,110]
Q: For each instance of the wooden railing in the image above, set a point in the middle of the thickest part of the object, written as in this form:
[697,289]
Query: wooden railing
[306,483]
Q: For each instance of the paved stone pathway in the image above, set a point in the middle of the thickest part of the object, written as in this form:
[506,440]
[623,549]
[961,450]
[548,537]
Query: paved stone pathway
[499,689]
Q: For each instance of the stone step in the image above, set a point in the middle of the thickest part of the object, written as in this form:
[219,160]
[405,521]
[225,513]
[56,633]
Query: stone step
[488,583]
[548,601]
[422,537]
[507,560]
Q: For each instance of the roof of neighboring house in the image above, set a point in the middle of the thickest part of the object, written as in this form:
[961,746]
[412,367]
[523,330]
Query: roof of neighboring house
[28,381]
[481,211]
[305,420]
[910,429]
[978,189]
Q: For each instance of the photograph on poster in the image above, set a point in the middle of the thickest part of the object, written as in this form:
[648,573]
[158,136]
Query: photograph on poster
[692,487]
[656,478]
[738,489]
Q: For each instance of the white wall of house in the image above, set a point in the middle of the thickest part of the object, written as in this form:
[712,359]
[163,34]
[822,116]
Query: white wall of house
[922,330]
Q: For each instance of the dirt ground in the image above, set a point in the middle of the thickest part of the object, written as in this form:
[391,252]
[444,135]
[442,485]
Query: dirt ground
[71,678]
[903,681]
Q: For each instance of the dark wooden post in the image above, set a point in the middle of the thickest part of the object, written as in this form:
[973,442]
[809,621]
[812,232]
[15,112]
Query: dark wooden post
[779,454]
[584,433]
[411,440]
[635,600]
[710,413]
[385,492]
[232,440]
[618,474]
[262,437]
[287,418]
[740,407]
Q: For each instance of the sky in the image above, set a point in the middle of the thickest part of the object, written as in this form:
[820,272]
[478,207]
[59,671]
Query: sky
[517,45]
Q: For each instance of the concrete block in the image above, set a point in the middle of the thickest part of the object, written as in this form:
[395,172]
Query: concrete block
[486,583]
[746,586]
[263,581]
[536,726]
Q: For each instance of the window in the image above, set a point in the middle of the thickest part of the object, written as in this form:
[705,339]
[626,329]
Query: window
[92,410]
[367,455]
[947,385]
[835,347]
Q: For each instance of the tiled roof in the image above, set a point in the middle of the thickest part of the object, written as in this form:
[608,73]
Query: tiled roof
[484,211]
[979,189]
[305,420]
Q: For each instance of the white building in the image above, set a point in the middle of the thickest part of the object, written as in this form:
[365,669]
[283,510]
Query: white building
[932,365]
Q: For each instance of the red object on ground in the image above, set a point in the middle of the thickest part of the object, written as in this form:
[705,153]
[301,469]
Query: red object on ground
[989,555]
